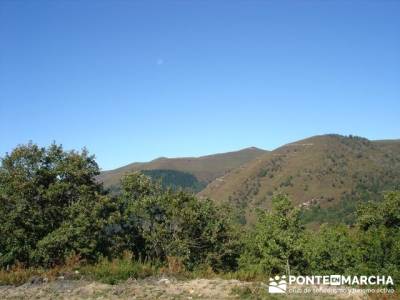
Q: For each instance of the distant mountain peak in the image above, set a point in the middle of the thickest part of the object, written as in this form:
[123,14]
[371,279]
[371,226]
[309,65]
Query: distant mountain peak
[160,158]
[253,148]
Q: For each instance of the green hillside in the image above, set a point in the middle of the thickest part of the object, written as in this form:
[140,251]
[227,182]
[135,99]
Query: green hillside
[326,174]
[205,168]
[175,179]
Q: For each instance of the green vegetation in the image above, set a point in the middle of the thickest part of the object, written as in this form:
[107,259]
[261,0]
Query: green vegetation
[169,179]
[176,180]
[329,174]
[342,212]
[174,224]
[56,219]
[118,269]
[52,208]
[368,189]
[205,168]
[273,246]
[279,244]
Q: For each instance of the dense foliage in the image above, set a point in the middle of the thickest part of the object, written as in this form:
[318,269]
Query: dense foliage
[52,207]
[175,179]
[368,189]
[279,244]
[44,195]
[155,224]
[275,244]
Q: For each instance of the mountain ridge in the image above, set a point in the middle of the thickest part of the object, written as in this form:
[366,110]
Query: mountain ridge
[205,168]
[322,170]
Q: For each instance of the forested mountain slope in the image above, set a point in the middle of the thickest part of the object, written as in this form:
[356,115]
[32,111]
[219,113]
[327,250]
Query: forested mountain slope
[205,168]
[325,173]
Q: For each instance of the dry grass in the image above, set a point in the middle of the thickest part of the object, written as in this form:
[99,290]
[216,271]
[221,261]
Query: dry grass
[19,274]
[174,266]
[119,269]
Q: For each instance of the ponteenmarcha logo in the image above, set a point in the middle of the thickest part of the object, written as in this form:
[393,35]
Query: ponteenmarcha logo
[279,284]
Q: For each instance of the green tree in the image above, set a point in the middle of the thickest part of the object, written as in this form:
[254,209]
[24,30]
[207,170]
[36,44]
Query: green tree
[331,250]
[177,224]
[385,213]
[274,246]
[379,237]
[39,191]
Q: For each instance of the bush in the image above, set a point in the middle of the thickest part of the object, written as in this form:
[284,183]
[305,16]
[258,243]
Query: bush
[333,250]
[42,193]
[176,224]
[51,207]
[274,246]
[279,244]
[379,237]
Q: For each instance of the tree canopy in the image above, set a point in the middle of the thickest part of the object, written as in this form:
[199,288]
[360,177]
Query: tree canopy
[53,207]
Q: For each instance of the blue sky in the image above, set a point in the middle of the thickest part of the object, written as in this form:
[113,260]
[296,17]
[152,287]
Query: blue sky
[135,80]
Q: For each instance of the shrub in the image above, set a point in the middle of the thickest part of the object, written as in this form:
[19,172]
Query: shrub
[333,250]
[41,193]
[274,245]
[379,237]
[176,224]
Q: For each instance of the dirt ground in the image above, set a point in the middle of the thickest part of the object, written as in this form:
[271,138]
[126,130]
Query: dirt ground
[131,289]
[150,288]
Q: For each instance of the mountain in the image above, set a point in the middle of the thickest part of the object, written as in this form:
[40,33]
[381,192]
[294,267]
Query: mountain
[328,174]
[188,172]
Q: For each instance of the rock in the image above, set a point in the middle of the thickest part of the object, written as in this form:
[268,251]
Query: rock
[130,280]
[164,281]
[36,280]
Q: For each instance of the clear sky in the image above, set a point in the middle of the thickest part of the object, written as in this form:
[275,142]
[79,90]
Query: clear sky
[134,80]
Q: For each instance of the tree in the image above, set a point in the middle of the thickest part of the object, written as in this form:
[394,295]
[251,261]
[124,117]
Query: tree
[39,191]
[378,225]
[376,214]
[176,224]
[274,246]
[331,250]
